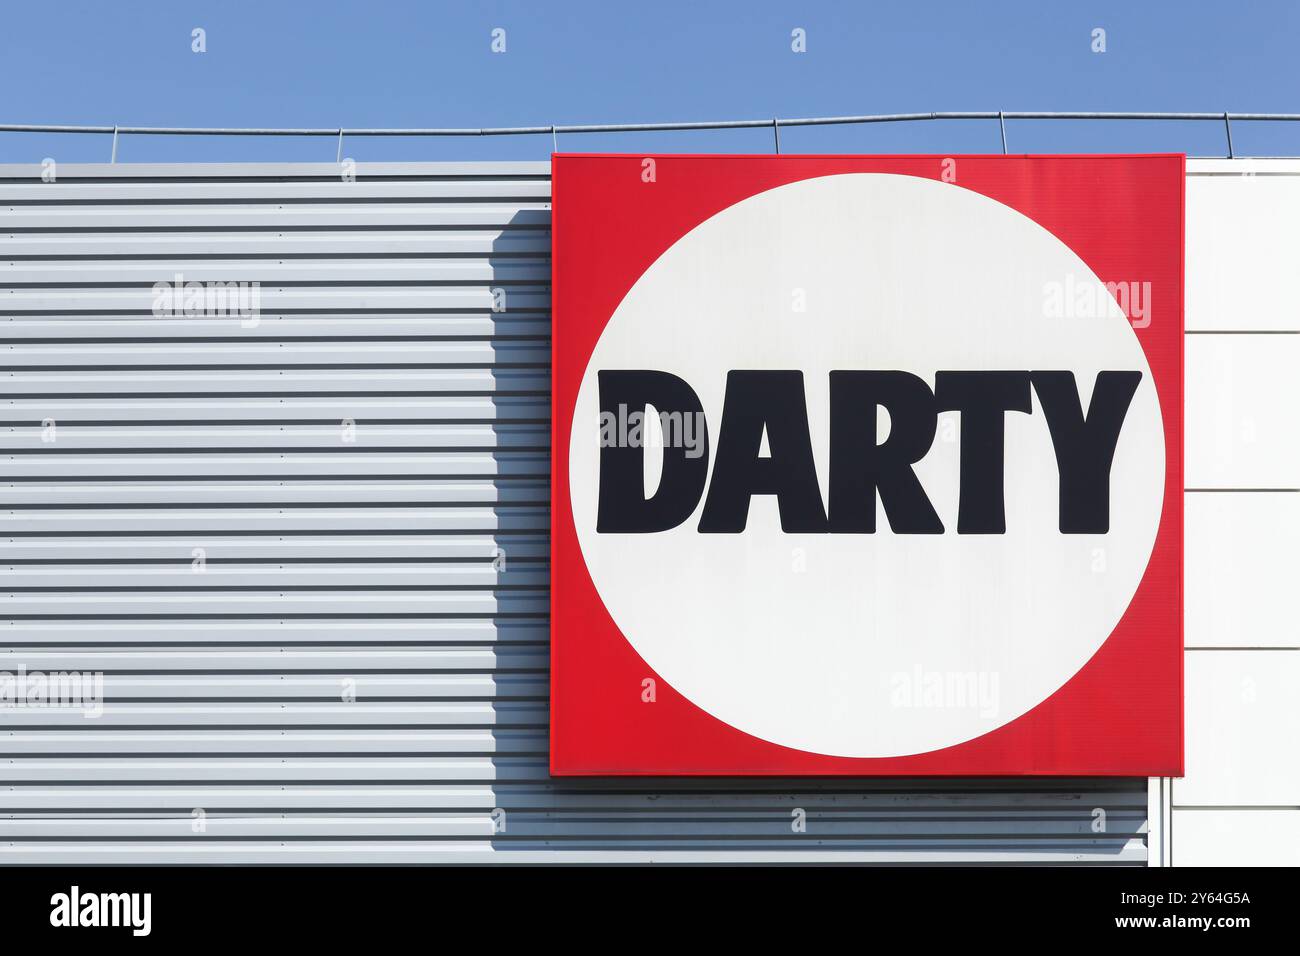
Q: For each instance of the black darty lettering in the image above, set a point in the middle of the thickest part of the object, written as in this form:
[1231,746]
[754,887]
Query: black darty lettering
[772,403]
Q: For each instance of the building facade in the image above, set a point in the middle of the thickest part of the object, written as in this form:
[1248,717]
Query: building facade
[297,528]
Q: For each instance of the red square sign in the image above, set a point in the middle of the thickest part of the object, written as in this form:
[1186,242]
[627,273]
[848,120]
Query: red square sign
[867,465]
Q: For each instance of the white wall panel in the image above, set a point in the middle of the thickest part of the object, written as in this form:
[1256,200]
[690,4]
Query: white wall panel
[1236,837]
[1242,397]
[1240,569]
[1242,724]
[1243,230]
[1237,803]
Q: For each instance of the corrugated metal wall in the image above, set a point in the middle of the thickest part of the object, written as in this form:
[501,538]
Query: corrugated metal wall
[309,554]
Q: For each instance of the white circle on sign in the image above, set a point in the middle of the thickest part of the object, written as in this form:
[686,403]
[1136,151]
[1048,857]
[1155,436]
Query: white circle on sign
[874,645]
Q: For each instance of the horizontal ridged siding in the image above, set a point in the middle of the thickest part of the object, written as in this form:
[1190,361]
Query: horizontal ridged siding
[405,566]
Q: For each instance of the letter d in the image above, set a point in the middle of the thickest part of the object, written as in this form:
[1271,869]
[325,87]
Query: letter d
[623,506]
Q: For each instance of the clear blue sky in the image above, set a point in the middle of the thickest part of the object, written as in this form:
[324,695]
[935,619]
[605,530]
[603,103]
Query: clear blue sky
[388,64]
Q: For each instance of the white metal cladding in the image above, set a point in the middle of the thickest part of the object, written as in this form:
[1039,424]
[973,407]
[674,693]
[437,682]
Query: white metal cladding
[242,525]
